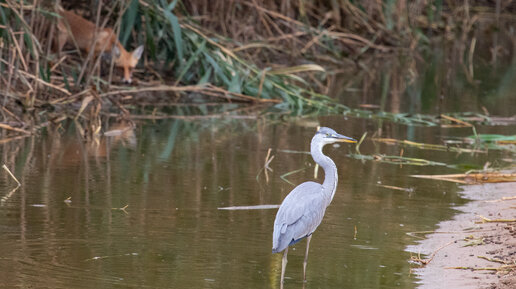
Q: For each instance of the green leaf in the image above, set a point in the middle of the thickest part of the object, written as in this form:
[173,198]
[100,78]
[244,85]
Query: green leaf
[128,20]
[178,40]
[190,61]
[493,137]
[206,77]
[217,69]
[172,5]
[235,86]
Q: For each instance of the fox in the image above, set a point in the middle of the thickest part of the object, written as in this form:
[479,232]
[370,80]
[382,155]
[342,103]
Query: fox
[76,30]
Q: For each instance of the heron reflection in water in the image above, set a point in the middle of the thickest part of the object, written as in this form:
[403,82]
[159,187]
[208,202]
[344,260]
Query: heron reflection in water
[303,209]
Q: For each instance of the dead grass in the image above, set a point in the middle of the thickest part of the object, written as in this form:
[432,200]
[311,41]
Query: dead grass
[248,52]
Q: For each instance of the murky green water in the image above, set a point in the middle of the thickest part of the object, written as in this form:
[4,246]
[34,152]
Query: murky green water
[66,226]
[62,228]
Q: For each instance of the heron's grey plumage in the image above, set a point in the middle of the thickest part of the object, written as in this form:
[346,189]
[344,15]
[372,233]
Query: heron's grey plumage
[303,209]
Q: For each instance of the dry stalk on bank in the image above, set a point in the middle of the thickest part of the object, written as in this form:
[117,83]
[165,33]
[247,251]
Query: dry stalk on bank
[227,52]
[502,269]
[472,178]
[487,220]
[423,262]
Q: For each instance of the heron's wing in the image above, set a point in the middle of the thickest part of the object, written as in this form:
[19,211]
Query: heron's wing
[299,215]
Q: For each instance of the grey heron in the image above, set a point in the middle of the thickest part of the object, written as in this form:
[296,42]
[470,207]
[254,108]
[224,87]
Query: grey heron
[303,209]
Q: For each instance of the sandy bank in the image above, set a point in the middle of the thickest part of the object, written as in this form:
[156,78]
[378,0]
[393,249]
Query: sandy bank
[486,252]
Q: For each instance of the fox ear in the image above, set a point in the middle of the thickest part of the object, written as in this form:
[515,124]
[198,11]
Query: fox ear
[116,51]
[137,53]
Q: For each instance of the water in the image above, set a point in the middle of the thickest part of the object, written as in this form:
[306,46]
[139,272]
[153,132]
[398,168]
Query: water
[64,227]
[140,209]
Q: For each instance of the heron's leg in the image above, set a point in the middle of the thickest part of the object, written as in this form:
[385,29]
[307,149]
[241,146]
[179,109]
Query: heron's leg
[306,257]
[283,266]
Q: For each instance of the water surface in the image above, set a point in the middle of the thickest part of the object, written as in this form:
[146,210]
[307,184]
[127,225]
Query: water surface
[64,227]
[140,209]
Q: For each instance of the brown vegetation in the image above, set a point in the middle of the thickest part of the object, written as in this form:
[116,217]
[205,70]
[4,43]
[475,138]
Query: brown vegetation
[219,52]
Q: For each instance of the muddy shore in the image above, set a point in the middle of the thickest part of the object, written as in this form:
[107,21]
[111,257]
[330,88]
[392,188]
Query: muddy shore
[477,248]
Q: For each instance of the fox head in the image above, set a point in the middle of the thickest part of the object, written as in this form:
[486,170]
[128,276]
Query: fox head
[126,60]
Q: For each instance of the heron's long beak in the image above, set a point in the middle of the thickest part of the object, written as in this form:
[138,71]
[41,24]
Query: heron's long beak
[343,138]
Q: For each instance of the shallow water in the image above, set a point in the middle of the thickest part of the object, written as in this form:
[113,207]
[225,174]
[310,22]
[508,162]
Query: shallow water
[140,209]
[63,228]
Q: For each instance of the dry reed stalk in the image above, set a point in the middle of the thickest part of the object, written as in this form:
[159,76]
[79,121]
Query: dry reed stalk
[426,145]
[488,220]
[69,98]
[41,81]
[453,119]
[47,123]
[8,127]
[262,19]
[11,114]
[192,88]
[11,174]
[92,61]
[184,117]
[351,37]
[425,262]
[10,139]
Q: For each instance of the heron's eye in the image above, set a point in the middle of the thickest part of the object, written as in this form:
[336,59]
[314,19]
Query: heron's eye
[327,134]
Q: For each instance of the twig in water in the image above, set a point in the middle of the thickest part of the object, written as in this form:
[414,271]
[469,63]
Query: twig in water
[8,195]
[357,147]
[266,167]
[461,123]
[427,146]
[409,190]
[284,176]
[105,257]
[415,234]
[121,209]
[257,207]
[398,160]
[294,152]
[401,156]
[11,174]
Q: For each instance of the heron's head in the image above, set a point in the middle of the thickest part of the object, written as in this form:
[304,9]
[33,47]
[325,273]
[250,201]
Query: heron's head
[327,135]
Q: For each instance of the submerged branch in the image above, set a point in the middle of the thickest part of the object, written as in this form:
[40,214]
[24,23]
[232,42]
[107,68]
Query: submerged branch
[473,178]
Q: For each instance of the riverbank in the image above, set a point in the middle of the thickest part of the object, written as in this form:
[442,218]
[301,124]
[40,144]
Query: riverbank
[477,248]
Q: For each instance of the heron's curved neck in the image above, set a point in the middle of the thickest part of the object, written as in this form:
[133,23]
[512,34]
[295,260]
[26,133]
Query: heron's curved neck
[329,167]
